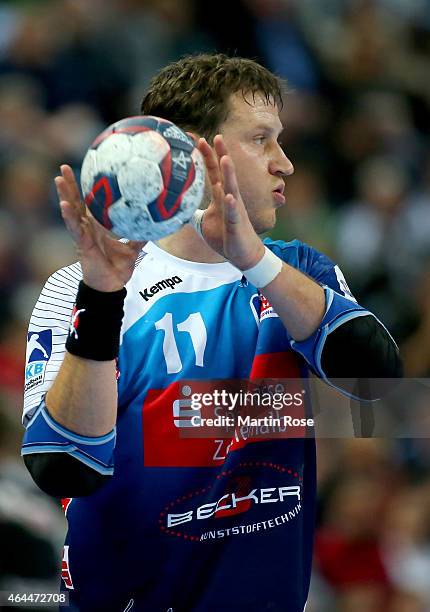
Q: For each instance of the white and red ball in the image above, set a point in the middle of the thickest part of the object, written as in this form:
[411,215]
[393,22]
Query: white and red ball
[143,178]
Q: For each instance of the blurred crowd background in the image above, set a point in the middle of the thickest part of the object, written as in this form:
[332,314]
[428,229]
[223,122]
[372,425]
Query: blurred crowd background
[358,126]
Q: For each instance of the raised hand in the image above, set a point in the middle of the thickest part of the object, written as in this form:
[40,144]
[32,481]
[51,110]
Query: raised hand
[226,226]
[107,264]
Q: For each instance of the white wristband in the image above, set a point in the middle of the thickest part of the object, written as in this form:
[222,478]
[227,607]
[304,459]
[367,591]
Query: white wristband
[196,221]
[265,271]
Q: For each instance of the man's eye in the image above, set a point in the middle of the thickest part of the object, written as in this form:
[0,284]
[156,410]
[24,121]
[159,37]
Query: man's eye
[260,139]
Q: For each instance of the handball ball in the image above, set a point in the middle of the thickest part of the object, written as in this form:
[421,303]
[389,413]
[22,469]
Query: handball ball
[143,178]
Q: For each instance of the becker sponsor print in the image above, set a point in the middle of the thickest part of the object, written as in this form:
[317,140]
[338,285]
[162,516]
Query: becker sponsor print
[254,497]
[39,349]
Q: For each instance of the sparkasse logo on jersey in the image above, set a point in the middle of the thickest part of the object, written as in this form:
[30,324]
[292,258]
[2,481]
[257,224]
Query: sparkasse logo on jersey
[166,283]
[266,309]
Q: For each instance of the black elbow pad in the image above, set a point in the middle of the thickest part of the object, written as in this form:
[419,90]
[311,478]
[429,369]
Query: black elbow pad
[61,475]
[362,350]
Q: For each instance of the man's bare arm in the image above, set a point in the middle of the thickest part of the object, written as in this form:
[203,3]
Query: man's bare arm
[83,397]
[361,345]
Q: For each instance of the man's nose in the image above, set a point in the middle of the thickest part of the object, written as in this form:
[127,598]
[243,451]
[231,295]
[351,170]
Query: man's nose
[281,164]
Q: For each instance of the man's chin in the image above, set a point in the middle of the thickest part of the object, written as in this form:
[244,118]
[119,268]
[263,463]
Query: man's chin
[265,225]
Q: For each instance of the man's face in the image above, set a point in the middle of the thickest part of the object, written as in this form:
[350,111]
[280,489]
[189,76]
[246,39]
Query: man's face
[251,133]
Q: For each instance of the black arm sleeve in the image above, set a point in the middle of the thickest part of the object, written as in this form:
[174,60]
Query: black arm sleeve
[61,475]
[362,350]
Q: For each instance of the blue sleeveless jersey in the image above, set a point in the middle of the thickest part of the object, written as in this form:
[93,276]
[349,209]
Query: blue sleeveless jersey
[187,524]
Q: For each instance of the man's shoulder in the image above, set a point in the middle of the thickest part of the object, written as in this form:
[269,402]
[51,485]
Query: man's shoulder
[65,280]
[283,247]
[300,255]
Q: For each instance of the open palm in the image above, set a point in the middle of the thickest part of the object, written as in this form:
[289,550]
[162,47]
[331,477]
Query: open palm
[107,264]
[226,226]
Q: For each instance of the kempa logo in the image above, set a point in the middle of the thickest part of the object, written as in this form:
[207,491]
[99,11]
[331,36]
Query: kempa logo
[149,292]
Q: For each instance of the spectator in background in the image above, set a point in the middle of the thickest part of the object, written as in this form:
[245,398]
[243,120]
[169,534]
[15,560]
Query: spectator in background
[281,39]
[21,127]
[69,129]
[347,549]
[372,543]
[170,31]
[416,348]
[76,64]
[308,213]
[383,221]
[405,547]
[25,190]
[31,526]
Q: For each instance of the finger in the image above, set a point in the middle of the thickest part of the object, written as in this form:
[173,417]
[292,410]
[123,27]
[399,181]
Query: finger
[62,189]
[211,161]
[232,214]
[220,146]
[64,195]
[71,188]
[71,220]
[218,195]
[70,179]
[72,207]
[229,176]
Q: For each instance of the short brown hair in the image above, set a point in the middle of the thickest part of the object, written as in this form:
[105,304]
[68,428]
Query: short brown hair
[194,91]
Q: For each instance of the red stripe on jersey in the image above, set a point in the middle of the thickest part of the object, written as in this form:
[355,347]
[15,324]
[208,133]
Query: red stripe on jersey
[65,503]
[163,445]
[285,364]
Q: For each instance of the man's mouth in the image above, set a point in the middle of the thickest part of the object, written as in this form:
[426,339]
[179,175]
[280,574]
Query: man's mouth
[278,194]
